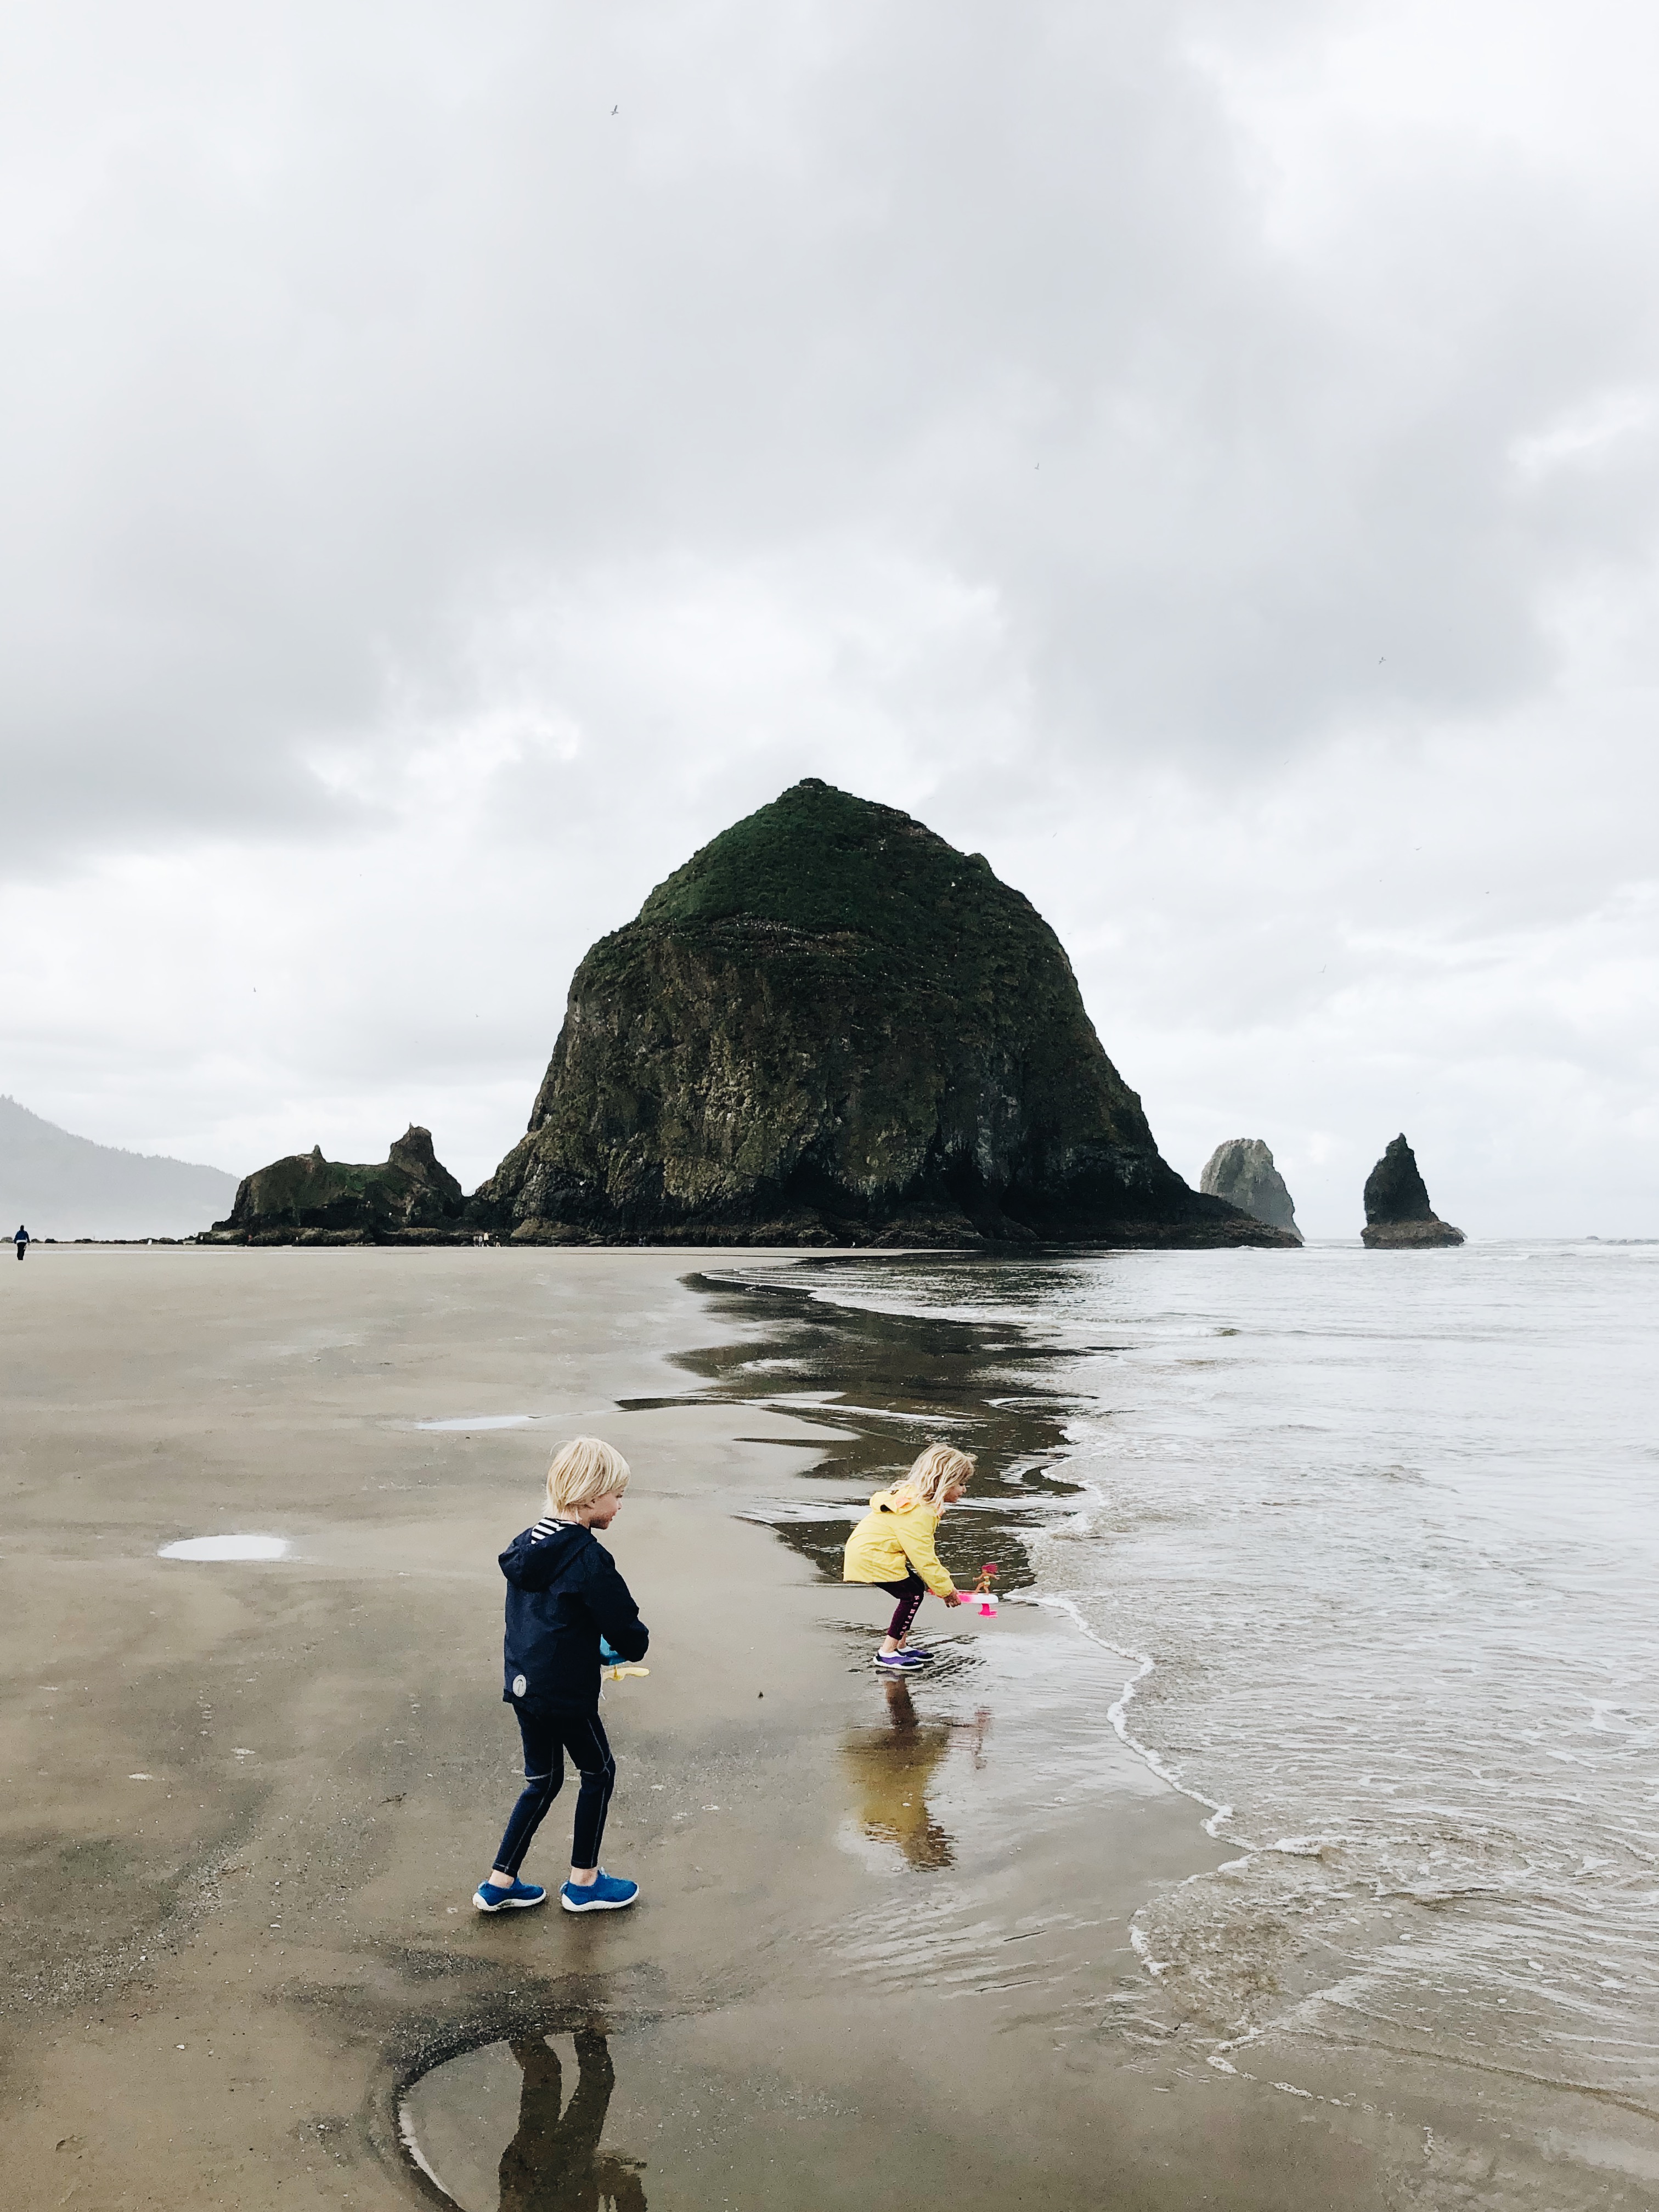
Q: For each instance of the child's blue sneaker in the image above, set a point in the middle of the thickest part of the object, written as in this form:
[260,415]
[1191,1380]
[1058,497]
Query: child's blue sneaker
[607,1893]
[915,1651]
[489,1897]
[902,1662]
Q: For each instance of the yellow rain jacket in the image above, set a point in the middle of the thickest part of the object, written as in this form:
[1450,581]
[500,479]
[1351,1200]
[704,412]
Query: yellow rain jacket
[894,1535]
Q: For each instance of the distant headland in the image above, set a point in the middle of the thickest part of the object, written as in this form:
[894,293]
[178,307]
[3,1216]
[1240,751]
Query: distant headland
[66,1187]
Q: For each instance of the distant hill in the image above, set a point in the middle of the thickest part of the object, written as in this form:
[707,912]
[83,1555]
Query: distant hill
[63,1186]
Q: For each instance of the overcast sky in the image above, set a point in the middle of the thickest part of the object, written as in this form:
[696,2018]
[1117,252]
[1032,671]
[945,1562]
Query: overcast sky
[455,460]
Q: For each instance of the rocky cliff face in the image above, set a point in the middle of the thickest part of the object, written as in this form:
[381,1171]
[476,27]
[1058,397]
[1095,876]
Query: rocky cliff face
[830,1026]
[1241,1171]
[1397,1209]
[306,1200]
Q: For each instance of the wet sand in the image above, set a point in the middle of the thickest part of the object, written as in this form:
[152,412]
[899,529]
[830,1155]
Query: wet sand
[884,1946]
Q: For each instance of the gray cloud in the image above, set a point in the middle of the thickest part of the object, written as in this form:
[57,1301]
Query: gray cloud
[324,339]
[1204,458]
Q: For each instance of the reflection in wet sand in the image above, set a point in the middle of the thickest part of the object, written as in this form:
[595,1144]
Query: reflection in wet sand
[454,2116]
[891,1767]
[554,2163]
[896,1380]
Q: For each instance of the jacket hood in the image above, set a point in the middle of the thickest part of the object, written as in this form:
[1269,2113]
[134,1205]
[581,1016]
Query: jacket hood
[886,1501]
[554,1554]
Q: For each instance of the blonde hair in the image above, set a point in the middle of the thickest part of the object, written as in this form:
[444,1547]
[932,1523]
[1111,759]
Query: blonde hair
[936,1468]
[584,1469]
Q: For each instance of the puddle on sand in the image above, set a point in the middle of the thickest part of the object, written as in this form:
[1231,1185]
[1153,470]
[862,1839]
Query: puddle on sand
[481,1421]
[227,1547]
[516,2126]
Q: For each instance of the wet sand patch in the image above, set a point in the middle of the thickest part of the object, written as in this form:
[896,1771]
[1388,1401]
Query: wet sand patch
[873,1948]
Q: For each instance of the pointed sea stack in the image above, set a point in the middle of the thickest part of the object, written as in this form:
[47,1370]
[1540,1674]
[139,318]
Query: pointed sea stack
[831,1027]
[409,1199]
[1241,1171]
[1397,1209]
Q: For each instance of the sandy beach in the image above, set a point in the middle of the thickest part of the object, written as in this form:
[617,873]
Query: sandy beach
[883,1950]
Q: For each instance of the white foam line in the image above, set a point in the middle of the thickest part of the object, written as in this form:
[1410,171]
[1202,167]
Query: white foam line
[1091,1500]
[1143,1950]
[1118,1714]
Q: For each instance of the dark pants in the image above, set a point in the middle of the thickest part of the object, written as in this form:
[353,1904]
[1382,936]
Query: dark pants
[909,1593]
[547,1737]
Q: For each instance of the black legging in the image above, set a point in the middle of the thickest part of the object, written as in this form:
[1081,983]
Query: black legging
[547,1737]
[909,1593]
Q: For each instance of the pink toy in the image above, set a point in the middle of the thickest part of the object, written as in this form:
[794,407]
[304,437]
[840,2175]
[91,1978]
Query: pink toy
[980,1599]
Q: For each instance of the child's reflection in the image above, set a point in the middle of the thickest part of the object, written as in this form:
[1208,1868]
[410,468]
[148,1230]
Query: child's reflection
[892,1768]
[553,2164]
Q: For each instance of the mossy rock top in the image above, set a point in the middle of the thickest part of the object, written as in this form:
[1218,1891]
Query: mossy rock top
[823,862]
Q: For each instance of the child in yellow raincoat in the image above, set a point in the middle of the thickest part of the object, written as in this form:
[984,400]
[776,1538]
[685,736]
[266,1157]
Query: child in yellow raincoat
[892,1547]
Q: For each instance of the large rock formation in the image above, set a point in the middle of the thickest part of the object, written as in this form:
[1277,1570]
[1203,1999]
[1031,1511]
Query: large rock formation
[831,1027]
[410,1199]
[1241,1171]
[1397,1209]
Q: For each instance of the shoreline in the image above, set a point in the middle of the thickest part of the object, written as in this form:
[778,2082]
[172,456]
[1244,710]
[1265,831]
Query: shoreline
[1543,2130]
[878,1940]
[703,1238]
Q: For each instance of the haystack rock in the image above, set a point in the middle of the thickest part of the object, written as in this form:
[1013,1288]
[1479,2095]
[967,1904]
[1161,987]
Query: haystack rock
[408,1199]
[831,1027]
[1397,1209]
[1241,1171]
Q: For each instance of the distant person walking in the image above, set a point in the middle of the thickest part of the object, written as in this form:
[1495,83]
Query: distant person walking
[563,1596]
[892,1547]
[22,1240]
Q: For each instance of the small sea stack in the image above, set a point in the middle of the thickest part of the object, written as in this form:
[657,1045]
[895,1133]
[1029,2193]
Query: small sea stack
[1241,1171]
[830,1027]
[1397,1209]
[408,1198]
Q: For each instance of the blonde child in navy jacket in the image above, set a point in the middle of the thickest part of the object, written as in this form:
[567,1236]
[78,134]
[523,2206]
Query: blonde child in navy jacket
[564,1598]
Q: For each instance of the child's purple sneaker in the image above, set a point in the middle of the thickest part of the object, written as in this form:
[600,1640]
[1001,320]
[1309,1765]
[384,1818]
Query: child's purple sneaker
[489,1897]
[607,1893]
[902,1662]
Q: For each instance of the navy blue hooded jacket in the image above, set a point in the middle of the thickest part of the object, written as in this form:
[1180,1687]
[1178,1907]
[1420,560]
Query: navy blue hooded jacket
[563,1593]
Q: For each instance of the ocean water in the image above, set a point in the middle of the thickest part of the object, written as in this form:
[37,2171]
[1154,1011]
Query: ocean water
[1374,1538]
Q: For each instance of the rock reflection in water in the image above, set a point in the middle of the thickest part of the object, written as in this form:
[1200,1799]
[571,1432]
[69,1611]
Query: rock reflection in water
[892,1381]
[890,1770]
